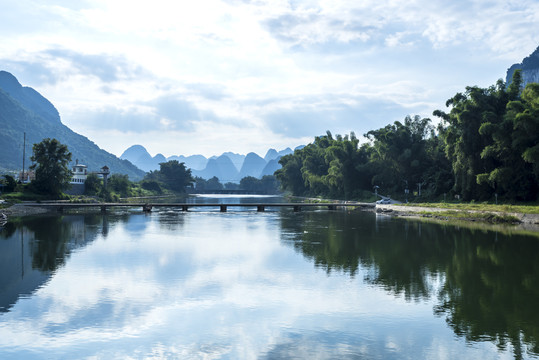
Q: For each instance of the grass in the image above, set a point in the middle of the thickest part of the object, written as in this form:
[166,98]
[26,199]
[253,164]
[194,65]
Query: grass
[522,209]
[16,197]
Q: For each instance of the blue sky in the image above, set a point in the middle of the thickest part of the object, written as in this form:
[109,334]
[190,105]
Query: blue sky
[211,76]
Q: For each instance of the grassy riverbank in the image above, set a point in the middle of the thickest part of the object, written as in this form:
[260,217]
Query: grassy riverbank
[488,213]
[521,209]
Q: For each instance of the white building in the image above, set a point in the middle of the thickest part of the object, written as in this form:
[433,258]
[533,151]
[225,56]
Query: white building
[80,173]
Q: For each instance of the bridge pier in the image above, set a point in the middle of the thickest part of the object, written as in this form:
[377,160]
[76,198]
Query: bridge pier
[260,208]
[103,209]
[223,208]
[332,207]
[185,208]
[146,208]
[297,208]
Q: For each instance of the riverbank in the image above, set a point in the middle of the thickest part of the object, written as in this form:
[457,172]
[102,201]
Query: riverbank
[525,220]
[17,210]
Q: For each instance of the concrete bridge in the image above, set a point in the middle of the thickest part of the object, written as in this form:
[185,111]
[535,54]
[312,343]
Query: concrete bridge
[147,207]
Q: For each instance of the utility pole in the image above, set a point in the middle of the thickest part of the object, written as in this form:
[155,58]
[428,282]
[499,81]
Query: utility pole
[23,155]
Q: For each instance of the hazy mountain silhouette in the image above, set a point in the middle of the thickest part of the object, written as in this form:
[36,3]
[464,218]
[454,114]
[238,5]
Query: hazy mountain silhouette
[195,162]
[273,154]
[252,166]
[237,159]
[22,109]
[221,167]
[272,166]
[138,155]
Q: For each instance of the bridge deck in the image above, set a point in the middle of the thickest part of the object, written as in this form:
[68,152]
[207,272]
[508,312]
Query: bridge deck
[185,206]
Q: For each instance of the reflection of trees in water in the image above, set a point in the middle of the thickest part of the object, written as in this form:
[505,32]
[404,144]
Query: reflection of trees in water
[33,248]
[170,219]
[492,291]
[7,230]
[489,283]
[57,236]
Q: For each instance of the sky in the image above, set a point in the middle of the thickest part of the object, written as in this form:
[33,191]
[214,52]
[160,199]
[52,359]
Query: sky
[205,77]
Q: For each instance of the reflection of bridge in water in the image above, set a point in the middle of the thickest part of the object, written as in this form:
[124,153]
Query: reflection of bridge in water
[228,192]
[147,207]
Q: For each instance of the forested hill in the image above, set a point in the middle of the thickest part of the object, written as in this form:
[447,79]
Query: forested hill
[22,109]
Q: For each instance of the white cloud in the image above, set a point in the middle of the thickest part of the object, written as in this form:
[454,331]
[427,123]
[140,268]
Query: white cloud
[235,65]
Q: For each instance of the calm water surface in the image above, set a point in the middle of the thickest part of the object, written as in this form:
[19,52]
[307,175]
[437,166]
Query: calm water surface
[273,285]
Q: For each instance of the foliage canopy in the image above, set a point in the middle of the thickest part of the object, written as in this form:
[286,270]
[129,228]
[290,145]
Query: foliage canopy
[488,143]
[51,166]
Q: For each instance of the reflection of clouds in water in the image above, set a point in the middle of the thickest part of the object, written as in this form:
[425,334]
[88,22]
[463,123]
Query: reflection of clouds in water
[211,289]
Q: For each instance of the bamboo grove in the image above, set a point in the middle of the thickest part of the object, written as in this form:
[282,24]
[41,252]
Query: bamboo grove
[486,145]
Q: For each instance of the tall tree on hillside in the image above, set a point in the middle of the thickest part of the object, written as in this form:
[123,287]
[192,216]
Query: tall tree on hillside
[51,165]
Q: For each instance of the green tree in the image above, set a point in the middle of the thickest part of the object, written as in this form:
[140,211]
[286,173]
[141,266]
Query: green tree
[400,153]
[151,185]
[491,138]
[93,184]
[175,176]
[120,184]
[9,183]
[269,184]
[51,166]
[476,109]
[200,183]
[231,186]
[290,173]
[214,184]
[526,126]
[249,183]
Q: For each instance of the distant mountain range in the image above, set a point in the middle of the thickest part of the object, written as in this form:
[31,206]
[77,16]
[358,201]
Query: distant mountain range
[228,167]
[22,109]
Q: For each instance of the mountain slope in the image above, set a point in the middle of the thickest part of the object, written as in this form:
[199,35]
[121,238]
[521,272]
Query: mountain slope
[221,167]
[195,162]
[529,67]
[140,157]
[237,159]
[23,109]
[252,166]
[271,167]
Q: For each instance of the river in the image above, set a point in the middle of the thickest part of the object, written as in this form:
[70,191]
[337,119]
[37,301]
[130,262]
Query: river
[279,284]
